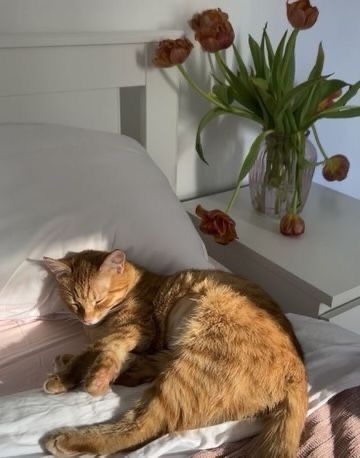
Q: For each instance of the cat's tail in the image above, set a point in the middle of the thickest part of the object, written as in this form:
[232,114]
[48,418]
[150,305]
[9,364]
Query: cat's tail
[283,426]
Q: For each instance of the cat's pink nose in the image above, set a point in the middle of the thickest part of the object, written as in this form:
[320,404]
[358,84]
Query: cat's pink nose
[89,321]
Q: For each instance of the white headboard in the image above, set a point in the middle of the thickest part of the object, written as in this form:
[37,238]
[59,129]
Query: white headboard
[89,80]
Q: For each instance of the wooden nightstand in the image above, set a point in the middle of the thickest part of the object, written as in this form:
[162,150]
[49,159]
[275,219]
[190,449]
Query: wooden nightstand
[317,274]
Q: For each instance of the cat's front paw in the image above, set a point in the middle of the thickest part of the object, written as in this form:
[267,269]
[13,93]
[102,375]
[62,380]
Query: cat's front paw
[64,442]
[97,383]
[102,373]
[54,385]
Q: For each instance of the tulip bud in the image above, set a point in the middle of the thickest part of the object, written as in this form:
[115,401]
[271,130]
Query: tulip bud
[328,101]
[336,168]
[212,30]
[172,52]
[218,224]
[301,14]
[292,224]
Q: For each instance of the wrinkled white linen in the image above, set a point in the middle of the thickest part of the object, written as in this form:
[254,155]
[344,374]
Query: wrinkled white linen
[332,358]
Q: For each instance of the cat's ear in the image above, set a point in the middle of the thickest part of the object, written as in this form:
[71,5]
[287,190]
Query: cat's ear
[114,262]
[57,267]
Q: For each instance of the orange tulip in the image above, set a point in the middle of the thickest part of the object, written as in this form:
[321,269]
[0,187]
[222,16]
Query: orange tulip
[212,30]
[218,224]
[301,14]
[336,168]
[292,225]
[172,52]
[328,101]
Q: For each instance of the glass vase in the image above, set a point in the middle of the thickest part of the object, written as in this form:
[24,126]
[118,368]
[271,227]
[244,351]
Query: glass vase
[281,176]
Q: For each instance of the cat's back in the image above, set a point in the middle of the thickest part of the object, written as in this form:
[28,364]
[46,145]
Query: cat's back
[226,306]
[221,291]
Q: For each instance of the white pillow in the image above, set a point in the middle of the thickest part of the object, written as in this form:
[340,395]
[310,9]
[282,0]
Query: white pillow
[66,189]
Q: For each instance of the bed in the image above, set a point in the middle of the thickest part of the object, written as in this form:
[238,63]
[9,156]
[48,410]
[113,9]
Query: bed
[87,185]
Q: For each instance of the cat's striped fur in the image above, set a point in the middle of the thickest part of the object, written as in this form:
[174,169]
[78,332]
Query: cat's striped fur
[232,355]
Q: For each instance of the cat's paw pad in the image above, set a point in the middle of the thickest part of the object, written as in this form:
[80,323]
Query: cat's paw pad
[97,383]
[61,361]
[64,442]
[54,385]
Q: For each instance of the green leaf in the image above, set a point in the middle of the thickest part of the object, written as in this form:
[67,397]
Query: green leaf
[252,155]
[246,98]
[295,95]
[243,73]
[287,70]
[261,83]
[266,100]
[307,104]
[257,57]
[341,112]
[266,69]
[319,64]
[276,84]
[246,114]
[209,116]
[324,88]
[224,93]
[229,75]
[328,87]
[349,94]
[240,87]
[269,48]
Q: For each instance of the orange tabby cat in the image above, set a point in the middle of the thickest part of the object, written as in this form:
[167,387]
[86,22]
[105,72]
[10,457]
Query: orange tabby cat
[216,347]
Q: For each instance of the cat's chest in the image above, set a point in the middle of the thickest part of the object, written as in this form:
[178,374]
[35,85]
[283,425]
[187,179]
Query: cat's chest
[177,319]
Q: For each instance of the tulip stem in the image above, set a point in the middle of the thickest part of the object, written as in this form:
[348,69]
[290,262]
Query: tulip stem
[294,202]
[212,66]
[198,89]
[233,197]
[313,128]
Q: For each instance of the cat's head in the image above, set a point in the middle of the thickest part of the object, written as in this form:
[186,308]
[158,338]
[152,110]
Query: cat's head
[91,283]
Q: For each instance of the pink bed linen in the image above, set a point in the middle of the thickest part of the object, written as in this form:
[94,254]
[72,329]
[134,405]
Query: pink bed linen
[332,431]
[27,351]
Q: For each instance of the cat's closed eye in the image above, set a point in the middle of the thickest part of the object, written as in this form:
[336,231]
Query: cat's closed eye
[78,307]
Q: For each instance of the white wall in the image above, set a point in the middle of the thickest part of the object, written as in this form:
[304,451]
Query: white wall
[338,28]
[225,140]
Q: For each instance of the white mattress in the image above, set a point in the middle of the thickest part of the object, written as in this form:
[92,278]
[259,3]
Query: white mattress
[332,358]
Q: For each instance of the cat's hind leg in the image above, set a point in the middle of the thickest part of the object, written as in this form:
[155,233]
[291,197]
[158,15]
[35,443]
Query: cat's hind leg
[137,427]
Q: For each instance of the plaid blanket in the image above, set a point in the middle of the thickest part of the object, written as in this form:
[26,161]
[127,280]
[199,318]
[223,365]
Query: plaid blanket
[332,431]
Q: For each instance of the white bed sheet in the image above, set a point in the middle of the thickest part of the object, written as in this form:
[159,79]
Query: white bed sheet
[332,358]
[27,350]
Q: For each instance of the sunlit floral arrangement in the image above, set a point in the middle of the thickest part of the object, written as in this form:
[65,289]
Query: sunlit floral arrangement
[267,94]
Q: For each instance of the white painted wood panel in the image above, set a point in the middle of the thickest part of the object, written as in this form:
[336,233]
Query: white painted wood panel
[161,114]
[59,69]
[54,39]
[350,319]
[45,77]
[97,109]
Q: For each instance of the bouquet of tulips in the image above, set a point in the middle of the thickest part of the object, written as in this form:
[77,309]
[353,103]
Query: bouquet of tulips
[267,94]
